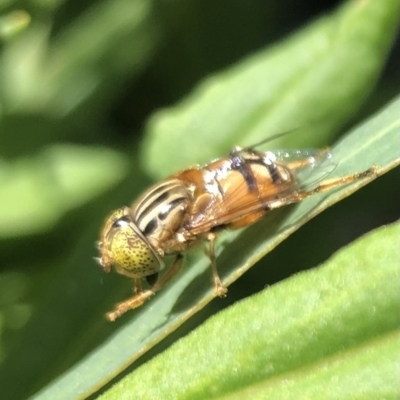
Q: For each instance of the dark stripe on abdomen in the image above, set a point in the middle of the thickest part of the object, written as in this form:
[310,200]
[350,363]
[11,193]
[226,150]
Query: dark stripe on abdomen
[240,164]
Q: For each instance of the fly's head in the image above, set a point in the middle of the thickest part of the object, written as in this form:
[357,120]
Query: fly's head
[124,246]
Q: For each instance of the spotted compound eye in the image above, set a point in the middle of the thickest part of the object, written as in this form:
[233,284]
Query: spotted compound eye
[131,251]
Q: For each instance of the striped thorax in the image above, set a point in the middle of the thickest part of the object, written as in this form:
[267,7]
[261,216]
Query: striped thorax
[160,213]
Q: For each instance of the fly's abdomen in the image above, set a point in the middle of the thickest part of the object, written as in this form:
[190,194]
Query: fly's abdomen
[252,180]
[238,190]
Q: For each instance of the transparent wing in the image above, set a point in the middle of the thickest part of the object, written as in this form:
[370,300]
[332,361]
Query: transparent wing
[310,166]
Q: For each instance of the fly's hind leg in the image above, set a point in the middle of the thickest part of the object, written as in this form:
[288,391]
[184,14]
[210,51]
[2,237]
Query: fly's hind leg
[219,286]
[332,183]
[142,295]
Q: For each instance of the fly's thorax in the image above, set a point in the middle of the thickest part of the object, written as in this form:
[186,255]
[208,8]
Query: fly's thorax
[161,211]
[124,246]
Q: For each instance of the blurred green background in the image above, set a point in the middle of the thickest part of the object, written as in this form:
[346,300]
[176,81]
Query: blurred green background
[79,81]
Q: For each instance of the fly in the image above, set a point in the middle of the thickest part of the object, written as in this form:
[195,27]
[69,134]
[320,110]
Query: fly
[193,205]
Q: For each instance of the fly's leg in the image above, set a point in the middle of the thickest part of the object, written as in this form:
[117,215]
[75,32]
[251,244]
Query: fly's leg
[219,286]
[330,184]
[142,295]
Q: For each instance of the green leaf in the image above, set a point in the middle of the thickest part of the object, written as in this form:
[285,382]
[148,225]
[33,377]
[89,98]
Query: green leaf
[35,192]
[315,79]
[13,23]
[116,38]
[328,333]
[191,290]
[81,67]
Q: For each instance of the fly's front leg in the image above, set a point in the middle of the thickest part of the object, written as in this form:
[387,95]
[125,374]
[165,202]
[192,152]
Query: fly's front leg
[332,183]
[142,295]
[219,286]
